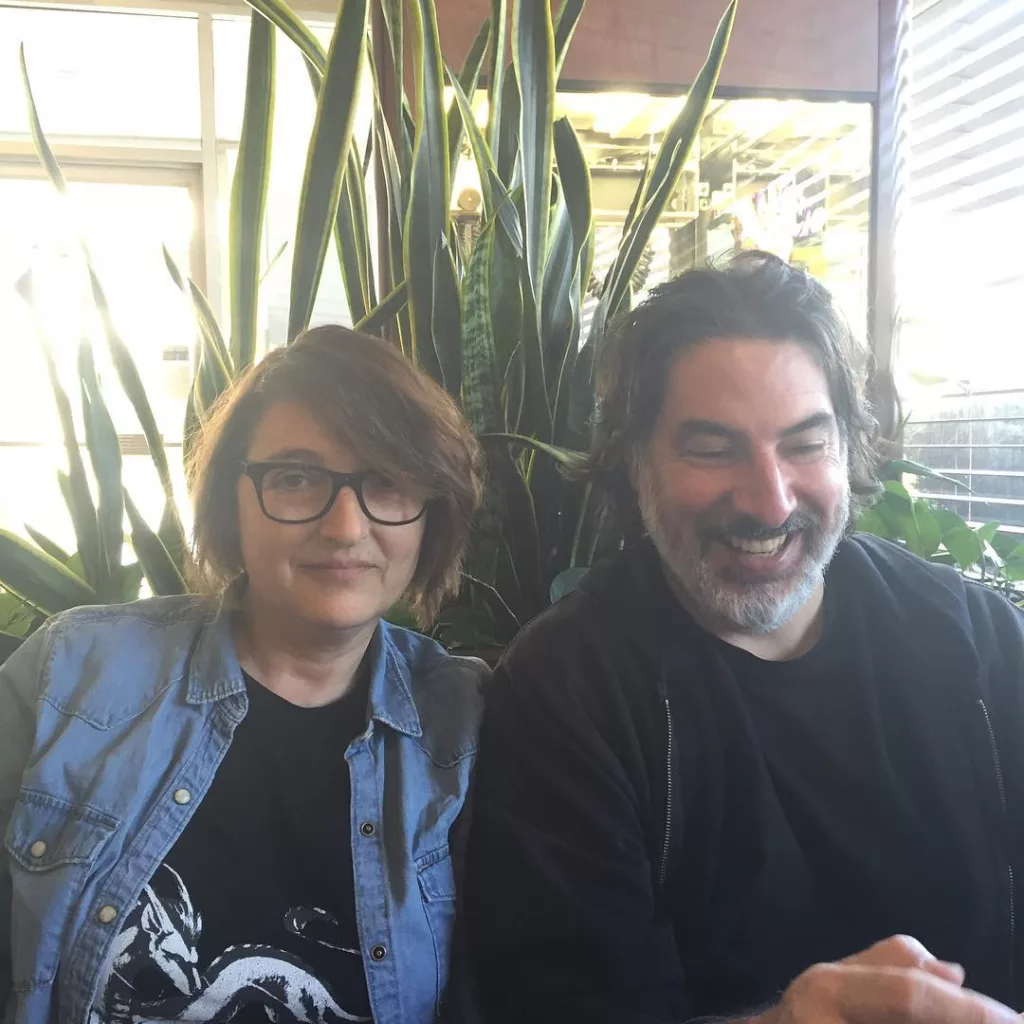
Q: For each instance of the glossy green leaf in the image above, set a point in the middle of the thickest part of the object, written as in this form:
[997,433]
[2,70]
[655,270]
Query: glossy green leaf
[565,26]
[37,578]
[928,531]
[986,534]
[947,520]
[427,216]
[481,388]
[468,78]
[965,546]
[896,490]
[871,521]
[105,454]
[157,564]
[567,580]
[326,160]
[533,55]
[249,190]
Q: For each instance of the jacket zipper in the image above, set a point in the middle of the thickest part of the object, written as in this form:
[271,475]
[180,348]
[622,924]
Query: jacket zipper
[1009,867]
[668,800]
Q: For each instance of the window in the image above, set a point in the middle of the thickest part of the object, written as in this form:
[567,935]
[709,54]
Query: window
[144,112]
[960,358]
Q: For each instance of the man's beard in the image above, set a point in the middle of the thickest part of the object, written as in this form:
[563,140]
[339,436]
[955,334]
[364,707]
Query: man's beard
[753,607]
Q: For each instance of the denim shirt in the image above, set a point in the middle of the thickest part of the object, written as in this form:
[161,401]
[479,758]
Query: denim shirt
[113,722]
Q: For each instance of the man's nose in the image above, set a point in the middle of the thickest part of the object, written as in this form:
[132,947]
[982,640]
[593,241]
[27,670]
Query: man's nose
[764,491]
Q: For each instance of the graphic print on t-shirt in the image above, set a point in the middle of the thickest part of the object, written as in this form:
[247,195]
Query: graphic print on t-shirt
[158,949]
[251,917]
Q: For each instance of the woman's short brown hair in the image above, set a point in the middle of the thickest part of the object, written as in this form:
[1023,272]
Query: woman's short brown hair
[373,399]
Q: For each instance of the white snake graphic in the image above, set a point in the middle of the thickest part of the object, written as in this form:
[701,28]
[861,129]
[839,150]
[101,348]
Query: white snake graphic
[164,933]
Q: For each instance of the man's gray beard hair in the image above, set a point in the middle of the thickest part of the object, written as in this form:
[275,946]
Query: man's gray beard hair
[755,609]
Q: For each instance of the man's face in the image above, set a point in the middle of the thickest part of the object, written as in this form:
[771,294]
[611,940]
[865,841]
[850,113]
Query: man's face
[744,484]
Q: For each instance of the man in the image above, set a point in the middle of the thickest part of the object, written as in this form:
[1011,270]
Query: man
[755,767]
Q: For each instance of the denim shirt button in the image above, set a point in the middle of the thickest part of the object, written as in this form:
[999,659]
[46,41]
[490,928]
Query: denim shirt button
[367,828]
[37,849]
[107,914]
[378,953]
[182,796]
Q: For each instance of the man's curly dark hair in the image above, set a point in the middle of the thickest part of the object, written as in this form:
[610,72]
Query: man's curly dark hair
[752,295]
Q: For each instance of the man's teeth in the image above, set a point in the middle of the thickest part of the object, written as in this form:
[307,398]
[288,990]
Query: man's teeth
[758,547]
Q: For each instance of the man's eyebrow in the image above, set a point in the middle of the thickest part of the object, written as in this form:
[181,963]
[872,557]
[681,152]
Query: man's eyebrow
[706,428]
[819,419]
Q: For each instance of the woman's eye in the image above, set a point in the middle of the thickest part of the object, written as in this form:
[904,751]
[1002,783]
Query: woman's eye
[709,453]
[288,480]
[810,448]
[379,482]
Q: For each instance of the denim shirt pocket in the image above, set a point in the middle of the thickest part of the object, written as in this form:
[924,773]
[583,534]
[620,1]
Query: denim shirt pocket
[437,889]
[52,846]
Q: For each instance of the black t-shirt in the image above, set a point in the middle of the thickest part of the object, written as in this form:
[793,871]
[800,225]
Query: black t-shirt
[853,779]
[251,916]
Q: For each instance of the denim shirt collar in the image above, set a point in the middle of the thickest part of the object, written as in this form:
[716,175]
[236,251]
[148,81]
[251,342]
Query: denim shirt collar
[215,674]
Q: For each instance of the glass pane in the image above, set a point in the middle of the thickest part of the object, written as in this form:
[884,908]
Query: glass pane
[789,176]
[96,73]
[125,225]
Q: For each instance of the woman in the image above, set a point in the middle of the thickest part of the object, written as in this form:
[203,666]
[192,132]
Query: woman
[238,808]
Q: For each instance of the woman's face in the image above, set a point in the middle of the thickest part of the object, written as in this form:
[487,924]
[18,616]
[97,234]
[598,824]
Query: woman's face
[340,572]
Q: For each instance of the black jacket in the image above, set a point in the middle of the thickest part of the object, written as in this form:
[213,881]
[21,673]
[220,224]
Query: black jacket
[629,860]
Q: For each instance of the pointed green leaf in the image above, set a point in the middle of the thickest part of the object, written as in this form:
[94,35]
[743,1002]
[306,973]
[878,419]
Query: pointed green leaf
[249,190]
[563,456]
[496,72]
[574,175]
[37,578]
[928,531]
[105,455]
[281,15]
[389,307]
[51,547]
[467,79]
[565,26]
[533,55]
[481,154]
[427,215]
[506,156]
[157,564]
[986,534]
[446,326]
[918,469]
[481,389]
[671,159]
[556,301]
[325,160]
[965,547]
[352,242]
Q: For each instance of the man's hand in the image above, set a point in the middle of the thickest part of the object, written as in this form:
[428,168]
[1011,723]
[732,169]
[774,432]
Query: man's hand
[894,982]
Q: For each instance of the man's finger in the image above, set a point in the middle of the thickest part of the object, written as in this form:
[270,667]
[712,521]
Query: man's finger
[896,951]
[893,995]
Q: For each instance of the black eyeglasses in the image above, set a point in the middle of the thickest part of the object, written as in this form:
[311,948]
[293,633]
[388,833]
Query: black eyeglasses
[295,492]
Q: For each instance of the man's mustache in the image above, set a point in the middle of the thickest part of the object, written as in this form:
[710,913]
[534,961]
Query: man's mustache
[751,528]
